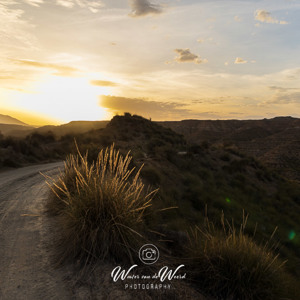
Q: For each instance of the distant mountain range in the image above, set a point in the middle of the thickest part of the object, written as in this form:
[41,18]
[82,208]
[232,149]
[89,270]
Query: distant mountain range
[10,126]
[4,119]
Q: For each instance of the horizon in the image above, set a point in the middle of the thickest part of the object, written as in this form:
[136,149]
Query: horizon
[108,120]
[69,60]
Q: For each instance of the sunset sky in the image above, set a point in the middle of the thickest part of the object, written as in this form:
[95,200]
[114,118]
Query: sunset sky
[64,60]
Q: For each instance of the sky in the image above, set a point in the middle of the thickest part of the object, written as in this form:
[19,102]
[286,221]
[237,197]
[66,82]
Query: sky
[64,60]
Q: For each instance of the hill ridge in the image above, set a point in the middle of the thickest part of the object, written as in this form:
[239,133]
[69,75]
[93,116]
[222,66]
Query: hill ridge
[6,119]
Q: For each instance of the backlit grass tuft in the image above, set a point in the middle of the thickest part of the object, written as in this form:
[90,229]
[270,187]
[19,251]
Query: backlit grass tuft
[101,207]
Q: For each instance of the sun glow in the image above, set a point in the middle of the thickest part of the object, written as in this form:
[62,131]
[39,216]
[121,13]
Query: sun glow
[65,99]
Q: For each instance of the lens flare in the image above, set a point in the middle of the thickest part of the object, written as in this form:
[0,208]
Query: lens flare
[292,235]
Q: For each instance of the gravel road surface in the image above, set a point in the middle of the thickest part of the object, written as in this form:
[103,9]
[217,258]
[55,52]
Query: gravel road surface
[25,264]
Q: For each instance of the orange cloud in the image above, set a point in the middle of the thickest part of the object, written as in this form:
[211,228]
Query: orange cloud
[60,69]
[103,83]
[156,109]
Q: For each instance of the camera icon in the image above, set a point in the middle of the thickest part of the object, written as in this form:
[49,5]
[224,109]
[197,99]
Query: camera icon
[148,254]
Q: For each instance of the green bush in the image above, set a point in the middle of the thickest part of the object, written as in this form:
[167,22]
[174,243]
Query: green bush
[101,207]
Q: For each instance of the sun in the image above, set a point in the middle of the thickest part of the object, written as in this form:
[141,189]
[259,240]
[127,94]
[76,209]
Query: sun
[66,99]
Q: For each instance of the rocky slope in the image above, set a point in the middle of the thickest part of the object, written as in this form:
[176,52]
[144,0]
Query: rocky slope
[276,142]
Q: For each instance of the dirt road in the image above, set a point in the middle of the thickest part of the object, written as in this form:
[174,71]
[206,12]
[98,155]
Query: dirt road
[26,253]
[25,267]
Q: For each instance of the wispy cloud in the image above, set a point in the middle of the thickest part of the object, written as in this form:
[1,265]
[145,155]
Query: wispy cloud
[286,98]
[65,3]
[34,2]
[6,77]
[144,7]
[161,110]
[281,89]
[284,95]
[103,83]
[239,60]
[265,17]
[185,55]
[292,74]
[93,6]
[60,70]
[14,29]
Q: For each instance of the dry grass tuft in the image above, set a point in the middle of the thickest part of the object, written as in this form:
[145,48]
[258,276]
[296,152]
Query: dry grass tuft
[228,264]
[101,207]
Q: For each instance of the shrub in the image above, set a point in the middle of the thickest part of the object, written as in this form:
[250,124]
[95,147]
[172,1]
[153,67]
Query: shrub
[11,163]
[225,157]
[228,264]
[106,140]
[100,206]
[151,175]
